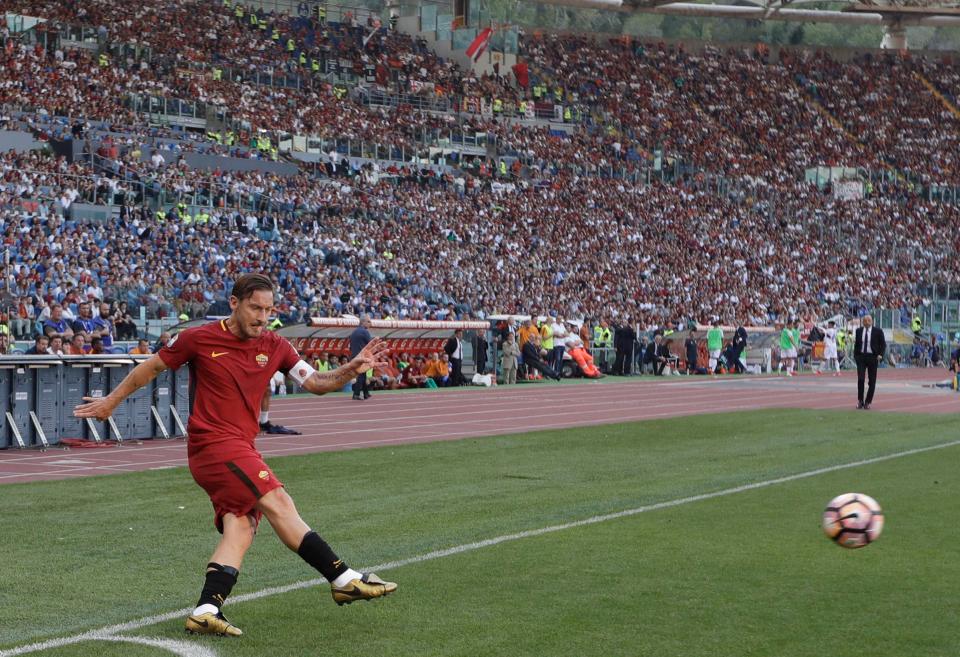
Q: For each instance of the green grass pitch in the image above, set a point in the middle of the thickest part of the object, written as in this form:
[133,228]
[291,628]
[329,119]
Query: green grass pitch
[744,574]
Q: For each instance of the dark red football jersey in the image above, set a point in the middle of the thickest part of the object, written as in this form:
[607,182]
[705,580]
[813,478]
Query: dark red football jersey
[228,378]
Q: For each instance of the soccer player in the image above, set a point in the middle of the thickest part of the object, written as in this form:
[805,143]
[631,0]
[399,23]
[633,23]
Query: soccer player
[830,347]
[231,362]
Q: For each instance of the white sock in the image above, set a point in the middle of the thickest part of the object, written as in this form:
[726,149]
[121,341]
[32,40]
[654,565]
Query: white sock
[836,364]
[206,609]
[346,576]
[264,417]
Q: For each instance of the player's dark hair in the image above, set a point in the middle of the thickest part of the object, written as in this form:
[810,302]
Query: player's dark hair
[246,285]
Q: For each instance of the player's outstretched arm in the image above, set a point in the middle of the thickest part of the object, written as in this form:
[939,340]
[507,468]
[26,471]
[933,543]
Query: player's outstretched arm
[101,408]
[371,356]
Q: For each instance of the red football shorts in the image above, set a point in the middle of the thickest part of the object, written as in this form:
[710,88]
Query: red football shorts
[235,485]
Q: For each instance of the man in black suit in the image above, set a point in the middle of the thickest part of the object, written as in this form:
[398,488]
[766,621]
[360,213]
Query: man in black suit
[358,340]
[454,349]
[868,350]
[623,339]
[658,354]
[532,358]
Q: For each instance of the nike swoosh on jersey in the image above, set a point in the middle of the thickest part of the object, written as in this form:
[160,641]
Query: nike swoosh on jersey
[217,354]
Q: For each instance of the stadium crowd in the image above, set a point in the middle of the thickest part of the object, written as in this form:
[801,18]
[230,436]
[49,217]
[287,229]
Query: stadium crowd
[737,112]
[544,234]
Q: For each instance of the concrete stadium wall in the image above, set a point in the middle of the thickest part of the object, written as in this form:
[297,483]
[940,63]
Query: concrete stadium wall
[17,140]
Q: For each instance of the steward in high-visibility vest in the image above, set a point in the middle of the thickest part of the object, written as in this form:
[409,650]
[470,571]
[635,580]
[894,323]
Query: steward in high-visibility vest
[916,325]
[567,116]
[503,168]
[497,105]
[254,21]
[601,336]
[217,74]
[523,107]
[104,60]
[321,13]
[546,336]
[275,35]
[262,24]
[238,12]
[226,3]
[303,58]
[291,45]
[315,65]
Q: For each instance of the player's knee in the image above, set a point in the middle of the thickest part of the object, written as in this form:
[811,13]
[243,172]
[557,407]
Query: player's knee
[278,504]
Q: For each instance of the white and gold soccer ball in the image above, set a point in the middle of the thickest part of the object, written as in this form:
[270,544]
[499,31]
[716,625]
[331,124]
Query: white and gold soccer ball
[853,520]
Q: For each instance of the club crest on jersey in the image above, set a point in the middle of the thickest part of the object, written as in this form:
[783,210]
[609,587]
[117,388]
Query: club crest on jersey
[262,360]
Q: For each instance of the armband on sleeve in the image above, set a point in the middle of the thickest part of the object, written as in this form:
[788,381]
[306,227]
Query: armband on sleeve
[301,372]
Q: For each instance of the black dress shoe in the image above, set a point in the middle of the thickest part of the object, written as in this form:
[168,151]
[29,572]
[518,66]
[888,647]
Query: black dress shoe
[859,405]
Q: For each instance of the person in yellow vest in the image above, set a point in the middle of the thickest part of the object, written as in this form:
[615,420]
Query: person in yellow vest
[546,336]
[262,24]
[321,13]
[602,335]
[187,218]
[916,325]
[226,3]
[523,108]
[315,65]
[303,58]
[558,94]
[274,153]
[322,363]
[161,216]
[228,138]
[104,60]
[275,35]
[254,21]
[291,45]
[217,74]
[497,106]
[238,12]
[503,168]
[567,116]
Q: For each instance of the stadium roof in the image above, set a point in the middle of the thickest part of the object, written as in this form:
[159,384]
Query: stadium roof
[893,15]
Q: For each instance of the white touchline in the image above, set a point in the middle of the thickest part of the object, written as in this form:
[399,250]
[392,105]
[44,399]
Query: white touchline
[187,649]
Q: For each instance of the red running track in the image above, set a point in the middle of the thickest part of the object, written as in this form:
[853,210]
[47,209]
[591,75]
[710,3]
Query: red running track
[337,422]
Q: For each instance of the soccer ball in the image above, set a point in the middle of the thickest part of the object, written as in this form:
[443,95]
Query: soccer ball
[853,520]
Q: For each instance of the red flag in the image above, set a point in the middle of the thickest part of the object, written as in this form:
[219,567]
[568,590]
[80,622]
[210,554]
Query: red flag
[521,73]
[478,45]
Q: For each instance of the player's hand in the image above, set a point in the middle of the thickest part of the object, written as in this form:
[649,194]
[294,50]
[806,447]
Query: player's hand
[373,355]
[96,407]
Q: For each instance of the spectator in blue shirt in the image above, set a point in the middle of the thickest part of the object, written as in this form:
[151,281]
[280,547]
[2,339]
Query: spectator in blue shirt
[57,325]
[103,326]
